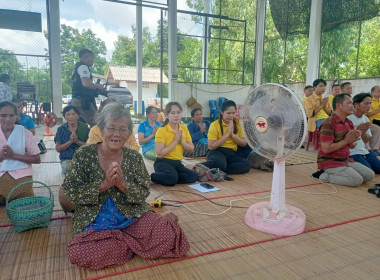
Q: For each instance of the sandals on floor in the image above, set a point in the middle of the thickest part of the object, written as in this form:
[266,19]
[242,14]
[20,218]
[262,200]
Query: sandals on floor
[375,190]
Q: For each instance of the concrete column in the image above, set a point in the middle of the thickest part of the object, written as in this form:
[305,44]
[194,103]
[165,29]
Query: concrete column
[314,49]
[139,51]
[172,48]
[205,43]
[55,55]
[259,41]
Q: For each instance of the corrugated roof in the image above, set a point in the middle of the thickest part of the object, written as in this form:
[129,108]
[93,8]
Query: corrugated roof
[128,73]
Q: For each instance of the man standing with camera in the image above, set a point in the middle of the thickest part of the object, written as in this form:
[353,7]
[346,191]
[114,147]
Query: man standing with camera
[84,90]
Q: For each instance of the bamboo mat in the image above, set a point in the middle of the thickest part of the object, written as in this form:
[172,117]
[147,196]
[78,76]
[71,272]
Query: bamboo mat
[326,254]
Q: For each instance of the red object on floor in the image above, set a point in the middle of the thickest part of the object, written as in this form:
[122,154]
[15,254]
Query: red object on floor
[48,133]
[313,137]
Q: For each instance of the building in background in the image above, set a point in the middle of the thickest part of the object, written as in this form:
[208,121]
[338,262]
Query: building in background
[125,76]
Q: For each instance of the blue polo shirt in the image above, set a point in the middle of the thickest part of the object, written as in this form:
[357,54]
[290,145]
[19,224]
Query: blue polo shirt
[26,121]
[145,128]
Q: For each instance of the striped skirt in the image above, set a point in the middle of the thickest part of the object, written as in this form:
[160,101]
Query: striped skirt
[150,237]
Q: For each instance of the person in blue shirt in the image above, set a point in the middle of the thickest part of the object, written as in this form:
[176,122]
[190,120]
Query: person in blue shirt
[70,136]
[23,119]
[147,132]
[198,129]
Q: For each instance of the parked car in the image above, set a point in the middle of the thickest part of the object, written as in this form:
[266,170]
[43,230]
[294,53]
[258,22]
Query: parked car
[121,95]
[66,98]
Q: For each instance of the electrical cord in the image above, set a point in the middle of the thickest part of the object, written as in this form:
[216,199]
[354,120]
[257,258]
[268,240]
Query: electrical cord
[177,203]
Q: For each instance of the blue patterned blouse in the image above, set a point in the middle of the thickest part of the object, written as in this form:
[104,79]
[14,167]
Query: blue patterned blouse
[109,217]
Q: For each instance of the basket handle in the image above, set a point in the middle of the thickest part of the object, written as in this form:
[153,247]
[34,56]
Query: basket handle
[28,182]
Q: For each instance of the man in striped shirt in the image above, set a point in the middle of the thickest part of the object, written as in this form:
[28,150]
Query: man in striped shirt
[337,136]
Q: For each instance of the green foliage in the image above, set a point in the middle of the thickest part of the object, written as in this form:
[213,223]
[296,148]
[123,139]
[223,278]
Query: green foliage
[125,50]
[338,52]
[40,78]
[369,50]
[10,65]
[229,67]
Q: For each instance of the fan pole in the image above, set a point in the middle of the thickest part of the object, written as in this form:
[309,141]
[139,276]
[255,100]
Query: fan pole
[48,133]
[277,198]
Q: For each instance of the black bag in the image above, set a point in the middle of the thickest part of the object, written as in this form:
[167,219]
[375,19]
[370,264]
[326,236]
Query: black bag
[42,147]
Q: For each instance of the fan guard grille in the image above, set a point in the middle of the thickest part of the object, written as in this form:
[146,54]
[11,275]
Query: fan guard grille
[270,112]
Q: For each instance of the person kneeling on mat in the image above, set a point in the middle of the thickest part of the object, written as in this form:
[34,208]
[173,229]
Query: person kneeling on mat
[147,131]
[109,184]
[224,137]
[171,140]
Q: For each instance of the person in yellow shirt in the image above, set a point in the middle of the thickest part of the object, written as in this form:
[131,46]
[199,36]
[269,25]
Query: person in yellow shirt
[335,90]
[316,107]
[171,140]
[374,113]
[308,90]
[95,135]
[224,137]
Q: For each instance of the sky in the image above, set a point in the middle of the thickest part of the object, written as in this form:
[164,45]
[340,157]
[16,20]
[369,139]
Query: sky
[107,20]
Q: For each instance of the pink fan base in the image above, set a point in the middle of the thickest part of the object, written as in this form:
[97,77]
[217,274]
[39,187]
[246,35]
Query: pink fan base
[292,223]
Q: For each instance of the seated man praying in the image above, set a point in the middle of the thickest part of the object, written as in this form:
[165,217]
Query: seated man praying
[362,104]
[337,137]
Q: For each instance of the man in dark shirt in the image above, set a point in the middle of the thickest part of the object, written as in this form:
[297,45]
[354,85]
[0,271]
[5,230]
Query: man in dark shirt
[337,136]
[84,90]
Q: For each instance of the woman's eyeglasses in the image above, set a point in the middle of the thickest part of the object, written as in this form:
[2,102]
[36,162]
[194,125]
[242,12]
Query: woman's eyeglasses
[122,131]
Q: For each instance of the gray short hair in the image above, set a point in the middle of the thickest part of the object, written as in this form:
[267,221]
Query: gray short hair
[114,111]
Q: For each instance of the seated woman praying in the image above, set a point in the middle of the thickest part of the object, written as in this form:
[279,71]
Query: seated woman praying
[171,140]
[224,137]
[147,132]
[95,135]
[70,136]
[108,184]
[18,150]
[198,129]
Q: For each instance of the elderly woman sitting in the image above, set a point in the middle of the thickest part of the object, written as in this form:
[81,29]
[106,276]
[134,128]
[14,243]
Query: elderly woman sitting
[96,135]
[18,151]
[109,184]
[70,136]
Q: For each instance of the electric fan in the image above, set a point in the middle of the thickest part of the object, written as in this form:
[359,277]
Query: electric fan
[50,120]
[274,126]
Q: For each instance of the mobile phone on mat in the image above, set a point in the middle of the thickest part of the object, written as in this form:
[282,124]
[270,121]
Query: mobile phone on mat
[207,186]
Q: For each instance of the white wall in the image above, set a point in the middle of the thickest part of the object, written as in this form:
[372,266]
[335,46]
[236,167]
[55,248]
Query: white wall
[205,92]
[148,91]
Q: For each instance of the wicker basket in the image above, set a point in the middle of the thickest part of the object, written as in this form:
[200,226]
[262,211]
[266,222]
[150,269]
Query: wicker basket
[30,212]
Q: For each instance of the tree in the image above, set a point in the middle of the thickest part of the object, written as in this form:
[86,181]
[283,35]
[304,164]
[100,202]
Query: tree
[125,50]
[72,41]
[232,52]
[10,65]
[40,78]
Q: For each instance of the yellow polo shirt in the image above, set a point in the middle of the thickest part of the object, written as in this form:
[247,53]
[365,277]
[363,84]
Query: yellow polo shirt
[329,103]
[166,135]
[375,106]
[311,103]
[303,101]
[214,133]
